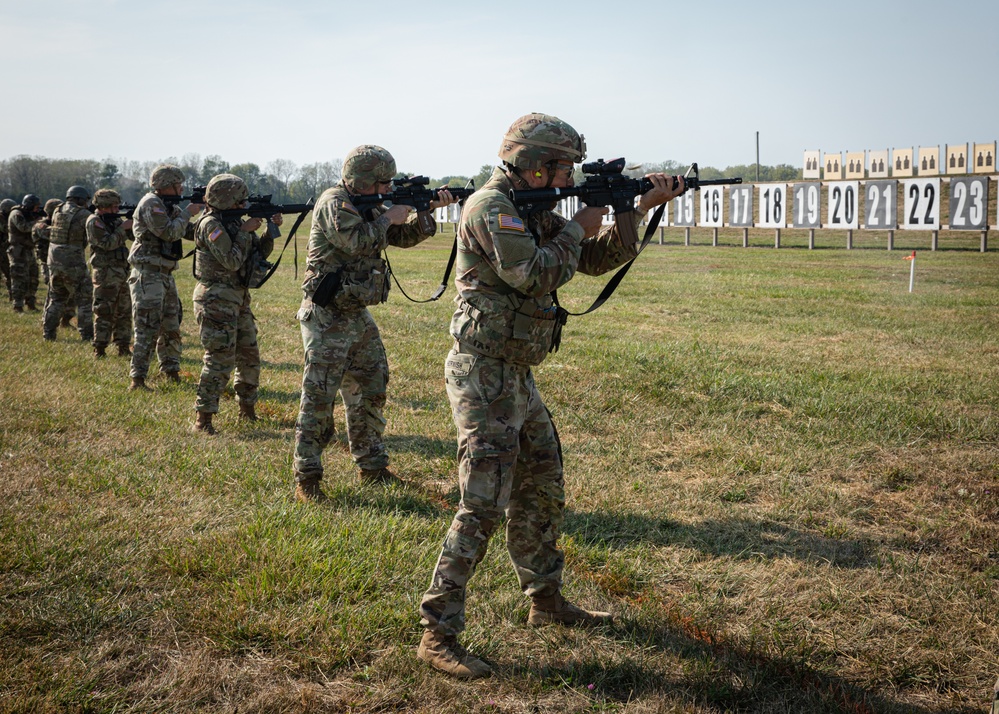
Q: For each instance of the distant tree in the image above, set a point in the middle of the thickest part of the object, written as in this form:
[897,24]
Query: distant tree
[109,175]
[284,171]
[212,166]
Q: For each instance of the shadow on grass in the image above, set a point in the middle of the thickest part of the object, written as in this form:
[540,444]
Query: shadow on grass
[737,537]
[266,365]
[411,498]
[422,445]
[717,674]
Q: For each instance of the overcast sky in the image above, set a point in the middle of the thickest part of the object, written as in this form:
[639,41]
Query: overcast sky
[437,83]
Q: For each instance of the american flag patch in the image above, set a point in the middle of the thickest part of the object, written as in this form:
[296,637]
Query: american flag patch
[157,209]
[511,223]
[349,207]
[215,235]
[99,224]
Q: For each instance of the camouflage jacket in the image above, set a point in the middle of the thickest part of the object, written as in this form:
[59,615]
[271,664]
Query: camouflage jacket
[507,268]
[156,226]
[3,230]
[343,238]
[106,238]
[41,232]
[222,256]
[19,227]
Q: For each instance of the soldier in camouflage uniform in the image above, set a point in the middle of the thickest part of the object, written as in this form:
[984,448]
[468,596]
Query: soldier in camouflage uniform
[509,456]
[106,234]
[227,251]
[5,207]
[69,279]
[20,250]
[341,340]
[158,229]
[40,234]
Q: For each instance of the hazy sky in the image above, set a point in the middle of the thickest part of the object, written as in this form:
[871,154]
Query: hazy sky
[438,83]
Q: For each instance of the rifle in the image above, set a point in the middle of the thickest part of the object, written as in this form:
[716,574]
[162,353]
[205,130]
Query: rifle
[413,191]
[605,185]
[197,196]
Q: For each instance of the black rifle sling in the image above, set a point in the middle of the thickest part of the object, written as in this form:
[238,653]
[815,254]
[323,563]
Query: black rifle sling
[447,274]
[291,236]
[562,314]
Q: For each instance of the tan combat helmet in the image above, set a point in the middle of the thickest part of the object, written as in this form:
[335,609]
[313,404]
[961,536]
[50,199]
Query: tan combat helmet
[367,165]
[6,205]
[165,176]
[226,191]
[50,207]
[106,198]
[536,140]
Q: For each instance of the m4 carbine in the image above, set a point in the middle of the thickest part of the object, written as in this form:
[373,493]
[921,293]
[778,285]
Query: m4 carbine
[605,185]
[413,191]
[261,207]
[197,196]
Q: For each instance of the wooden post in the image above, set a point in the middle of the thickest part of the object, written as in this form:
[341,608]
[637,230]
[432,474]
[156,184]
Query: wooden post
[934,240]
[811,239]
[686,236]
[662,233]
[849,240]
[891,240]
[745,238]
[777,238]
[985,240]
[714,237]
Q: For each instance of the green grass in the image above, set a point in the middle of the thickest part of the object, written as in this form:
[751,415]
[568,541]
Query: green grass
[781,470]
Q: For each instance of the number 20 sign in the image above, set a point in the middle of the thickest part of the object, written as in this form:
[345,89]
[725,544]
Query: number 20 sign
[843,206]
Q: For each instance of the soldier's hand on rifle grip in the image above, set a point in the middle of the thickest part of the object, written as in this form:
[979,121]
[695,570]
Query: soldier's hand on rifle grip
[444,198]
[195,208]
[590,218]
[127,224]
[664,188]
[251,225]
[398,214]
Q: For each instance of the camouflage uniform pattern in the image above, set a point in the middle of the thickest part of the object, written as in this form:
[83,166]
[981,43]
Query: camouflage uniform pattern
[509,457]
[20,251]
[109,265]
[156,308]
[69,278]
[222,310]
[343,348]
[4,260]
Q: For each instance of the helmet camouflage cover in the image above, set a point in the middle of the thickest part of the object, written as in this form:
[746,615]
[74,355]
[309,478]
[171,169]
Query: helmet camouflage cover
[7,204]
[165,176]
[367,165]
[538,139]
[225,191]
[107,197]
[78,192]
[51,205]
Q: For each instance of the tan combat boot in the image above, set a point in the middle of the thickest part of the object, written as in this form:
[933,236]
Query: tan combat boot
[556,610]
[99,351]
[203,423]
[139,384]
[173,377]
[308,491]
[247,412]
[379,476]
[444,653]
[65,321]
[123,350]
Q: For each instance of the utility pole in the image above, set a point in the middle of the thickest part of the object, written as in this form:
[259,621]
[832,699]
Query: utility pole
[757,157]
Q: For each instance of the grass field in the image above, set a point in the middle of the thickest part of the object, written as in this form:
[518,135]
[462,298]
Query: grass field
[782,473]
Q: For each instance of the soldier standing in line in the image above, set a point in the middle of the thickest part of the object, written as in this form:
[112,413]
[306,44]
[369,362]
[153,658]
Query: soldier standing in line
[509,455]
[20,250]
[345,273]
[41,234]
[69,279]
[5,207]
[227,249]
[156,311]
[106,234]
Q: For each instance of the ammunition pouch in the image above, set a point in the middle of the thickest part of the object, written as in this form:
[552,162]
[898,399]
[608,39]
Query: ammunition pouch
[256,270]
[508,327]
[354,286]
[172,250]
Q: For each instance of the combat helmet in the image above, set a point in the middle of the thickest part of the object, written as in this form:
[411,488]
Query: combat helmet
[106,198]
[367,165]
[226,191]
[51,205]
[79,192]
[30,200]
[536,139]
[165,176]
[7,204]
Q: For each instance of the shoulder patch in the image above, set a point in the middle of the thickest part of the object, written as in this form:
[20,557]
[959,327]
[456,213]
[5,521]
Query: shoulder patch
[214,236]
[100,224]
[158,209]
[510,223]
[349,207]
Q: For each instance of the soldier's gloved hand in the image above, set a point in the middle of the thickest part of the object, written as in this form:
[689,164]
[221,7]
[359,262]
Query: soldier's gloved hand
[590,218]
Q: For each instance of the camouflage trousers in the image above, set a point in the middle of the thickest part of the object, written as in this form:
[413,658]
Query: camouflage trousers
[156,314]
[23,275]
[112,306]
[343,352]
[229,336]
[69,287]
[5,269]
[509,463]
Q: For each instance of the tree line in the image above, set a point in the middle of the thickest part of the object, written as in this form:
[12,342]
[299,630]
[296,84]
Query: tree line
[286,181]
